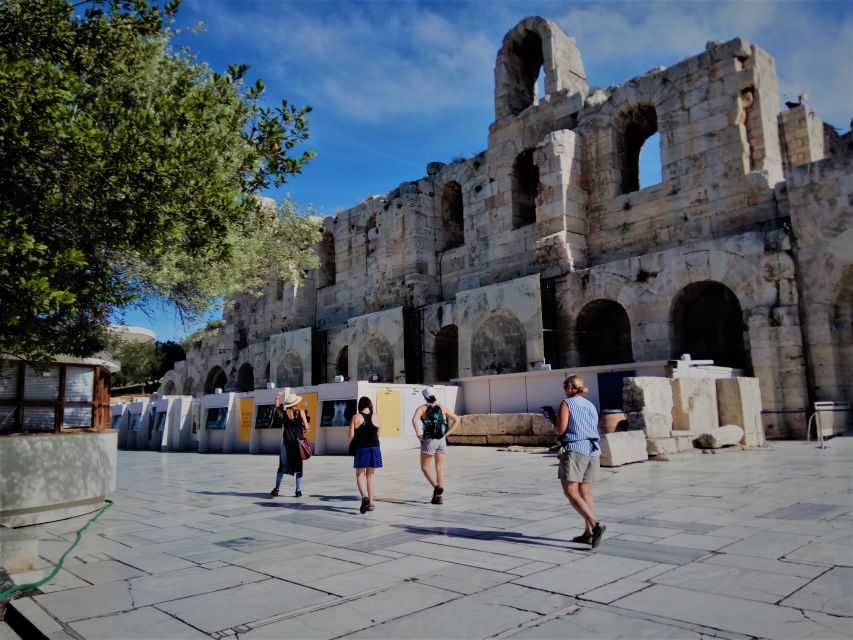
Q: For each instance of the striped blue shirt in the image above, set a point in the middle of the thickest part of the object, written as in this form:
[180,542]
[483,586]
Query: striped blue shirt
[582,433]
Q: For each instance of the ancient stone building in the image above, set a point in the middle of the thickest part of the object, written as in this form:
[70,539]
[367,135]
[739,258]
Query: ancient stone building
[544,248]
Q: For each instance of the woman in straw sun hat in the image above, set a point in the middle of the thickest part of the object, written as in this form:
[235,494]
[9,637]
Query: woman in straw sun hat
[293,423]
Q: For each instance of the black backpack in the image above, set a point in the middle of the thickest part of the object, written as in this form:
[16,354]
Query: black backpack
[435,424]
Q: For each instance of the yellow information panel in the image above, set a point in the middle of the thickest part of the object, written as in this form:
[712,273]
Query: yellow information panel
[309,403]
[244,419]
[389,407]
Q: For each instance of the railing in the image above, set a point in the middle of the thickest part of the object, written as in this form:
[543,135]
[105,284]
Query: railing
[831,418]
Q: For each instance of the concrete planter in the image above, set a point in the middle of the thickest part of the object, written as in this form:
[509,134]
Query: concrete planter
[55,476]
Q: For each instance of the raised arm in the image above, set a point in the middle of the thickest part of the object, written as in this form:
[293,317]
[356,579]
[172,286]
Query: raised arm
[416,421]
[453,421]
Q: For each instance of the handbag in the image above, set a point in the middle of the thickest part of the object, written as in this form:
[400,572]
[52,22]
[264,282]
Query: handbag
[305,450]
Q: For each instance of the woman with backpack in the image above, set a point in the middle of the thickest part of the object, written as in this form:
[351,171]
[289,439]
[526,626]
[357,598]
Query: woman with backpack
[430,423]
[364,444]
[293,424]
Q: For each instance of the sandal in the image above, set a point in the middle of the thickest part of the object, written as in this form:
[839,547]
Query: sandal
[365,505]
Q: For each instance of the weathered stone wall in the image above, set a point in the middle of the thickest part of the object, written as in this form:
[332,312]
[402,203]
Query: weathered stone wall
[545,246]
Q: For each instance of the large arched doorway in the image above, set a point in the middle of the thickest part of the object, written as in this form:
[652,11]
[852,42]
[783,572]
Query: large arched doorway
[189,386]
[216,379]
[708,323]
[289,371]
[603,334]
[447,353]
[246,378]
[376,360]
[498,346]
[342,363]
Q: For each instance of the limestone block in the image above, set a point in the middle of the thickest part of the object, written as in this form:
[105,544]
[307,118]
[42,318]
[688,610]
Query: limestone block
[496,424]
[720,437]
[470,440]
[542,426]
[623,447]
[739,402]
[684,443]
[654,425]
[647,394]
[694,405]
[657,446]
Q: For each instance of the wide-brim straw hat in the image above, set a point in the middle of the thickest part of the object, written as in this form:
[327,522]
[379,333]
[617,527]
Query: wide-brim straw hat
[291,400]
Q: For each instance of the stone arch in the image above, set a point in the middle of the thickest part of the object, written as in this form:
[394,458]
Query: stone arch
[376,357]
[525,187]
[327,273]
[453,214]
[447,353]
[535,44]
[216,379]
[267,372]
[289,372]
[841,331]
[168,388]
[498,346]
[342,362]
[603,334]
[189,385]
[635,125]
[246,377]
[708,323]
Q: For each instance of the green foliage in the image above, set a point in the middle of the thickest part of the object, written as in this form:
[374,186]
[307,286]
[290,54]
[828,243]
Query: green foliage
[130,170]
[195,339]
[144,363]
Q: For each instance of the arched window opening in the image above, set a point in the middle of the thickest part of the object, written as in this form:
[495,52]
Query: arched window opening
[326,253]
[498,346]
[189,385]
[638,125]
[246,378]
[651,170]
[539,88]
[342,365]
[376,360]
[709,325]
[603,334]
[525,186]
[216,379]
[447,353]
[168,388]
[452,215]
[267,373]
[525,63]
[289,371]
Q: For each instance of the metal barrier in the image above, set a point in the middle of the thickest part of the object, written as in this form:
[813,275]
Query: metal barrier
[830,419]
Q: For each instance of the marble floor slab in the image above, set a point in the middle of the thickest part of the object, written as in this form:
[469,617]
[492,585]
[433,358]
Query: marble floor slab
[747,545]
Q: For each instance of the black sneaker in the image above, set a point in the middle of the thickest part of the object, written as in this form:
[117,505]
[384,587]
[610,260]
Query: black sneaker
[365,505]
[597,532]
[436,500]
[298,494]
[584,538]
[274,493]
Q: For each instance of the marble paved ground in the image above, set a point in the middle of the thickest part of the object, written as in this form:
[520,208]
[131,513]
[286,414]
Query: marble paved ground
[737,545]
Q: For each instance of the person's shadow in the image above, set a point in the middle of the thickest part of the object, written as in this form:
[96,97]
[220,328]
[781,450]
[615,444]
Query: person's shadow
[238,494]
[505,536]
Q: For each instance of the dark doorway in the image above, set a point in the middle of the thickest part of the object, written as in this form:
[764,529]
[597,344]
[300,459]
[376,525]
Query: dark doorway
[246,378]
[525,186]
[447,353]
[709,325]
[216,379]
[603,334]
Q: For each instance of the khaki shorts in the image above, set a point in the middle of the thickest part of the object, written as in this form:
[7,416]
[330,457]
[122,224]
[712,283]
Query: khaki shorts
[576,467]
[431,446]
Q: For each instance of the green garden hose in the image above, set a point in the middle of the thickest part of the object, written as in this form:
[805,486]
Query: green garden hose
[21,587]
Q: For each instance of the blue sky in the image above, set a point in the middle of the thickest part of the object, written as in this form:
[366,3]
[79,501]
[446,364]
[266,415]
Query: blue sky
[397,84]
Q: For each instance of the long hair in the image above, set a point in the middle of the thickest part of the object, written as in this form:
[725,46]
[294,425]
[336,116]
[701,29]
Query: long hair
[576,382]
[364,403]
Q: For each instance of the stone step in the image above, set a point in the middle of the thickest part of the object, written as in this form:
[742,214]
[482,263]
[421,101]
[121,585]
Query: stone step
[32,622]
[7,633]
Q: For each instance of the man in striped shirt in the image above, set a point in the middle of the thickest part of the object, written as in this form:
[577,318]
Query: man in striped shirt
[577,424]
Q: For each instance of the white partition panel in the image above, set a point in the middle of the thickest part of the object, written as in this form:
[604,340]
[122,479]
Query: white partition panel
[264,439]
[179,424]
[136,422]
[218,425]
[118,421]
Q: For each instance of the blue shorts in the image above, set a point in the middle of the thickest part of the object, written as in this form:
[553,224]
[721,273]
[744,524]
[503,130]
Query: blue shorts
[367,457]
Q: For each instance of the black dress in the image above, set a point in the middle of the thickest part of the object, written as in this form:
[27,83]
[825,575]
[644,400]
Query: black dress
[291,434]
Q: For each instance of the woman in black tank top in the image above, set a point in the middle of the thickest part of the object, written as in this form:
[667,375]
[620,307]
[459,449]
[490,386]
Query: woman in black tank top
[364,445]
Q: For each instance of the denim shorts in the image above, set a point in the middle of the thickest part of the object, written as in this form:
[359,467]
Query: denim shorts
[367,457]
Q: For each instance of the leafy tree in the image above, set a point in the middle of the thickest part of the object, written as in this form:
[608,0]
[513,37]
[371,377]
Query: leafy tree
[145,363]
[131,170]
